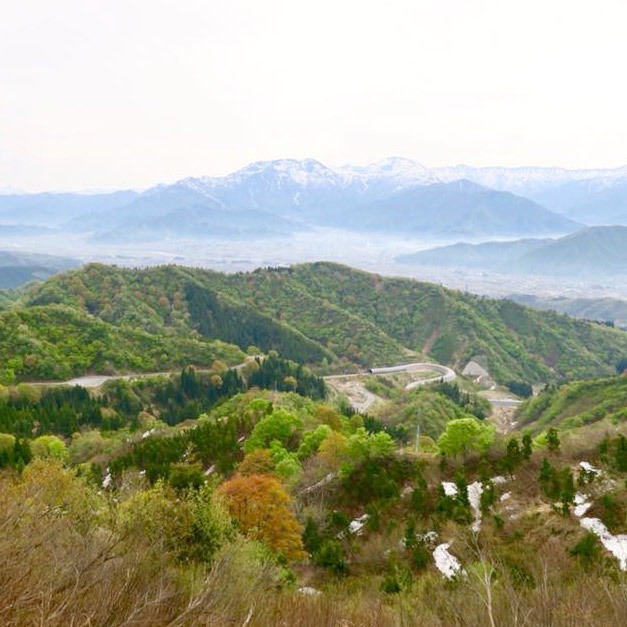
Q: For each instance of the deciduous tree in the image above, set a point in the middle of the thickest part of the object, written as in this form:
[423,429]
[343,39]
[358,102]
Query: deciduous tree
[261,506]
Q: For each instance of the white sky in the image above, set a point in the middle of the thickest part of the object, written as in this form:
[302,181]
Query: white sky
[115,93]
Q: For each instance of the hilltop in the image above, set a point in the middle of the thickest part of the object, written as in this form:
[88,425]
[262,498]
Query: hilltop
[321,313]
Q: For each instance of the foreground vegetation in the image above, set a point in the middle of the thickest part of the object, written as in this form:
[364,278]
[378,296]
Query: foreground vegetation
[215,498]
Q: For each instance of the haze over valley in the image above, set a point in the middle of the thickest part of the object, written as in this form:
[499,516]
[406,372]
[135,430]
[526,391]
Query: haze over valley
[395,217]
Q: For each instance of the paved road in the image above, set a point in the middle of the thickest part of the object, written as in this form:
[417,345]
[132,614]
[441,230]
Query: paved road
[362,399]
[96,380]
[504,402]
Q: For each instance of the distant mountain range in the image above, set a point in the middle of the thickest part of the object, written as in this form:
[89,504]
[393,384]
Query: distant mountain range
[19,268]
[275,198]
[593,197]
[593,251]
[600,309]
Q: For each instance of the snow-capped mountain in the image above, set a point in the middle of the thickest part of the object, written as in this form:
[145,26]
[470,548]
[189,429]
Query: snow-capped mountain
[395,195]
[393,174]
[526,181]
[594,197]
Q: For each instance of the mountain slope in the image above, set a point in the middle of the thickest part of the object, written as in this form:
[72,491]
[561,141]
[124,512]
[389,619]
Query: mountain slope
[269,198]
[454,209]
[593,251]
[588,308]
[52,209]
[59,342]
[329,312]
[489,255]
[577,404]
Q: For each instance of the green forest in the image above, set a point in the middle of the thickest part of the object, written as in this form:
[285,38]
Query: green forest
[107,319]
[230,484]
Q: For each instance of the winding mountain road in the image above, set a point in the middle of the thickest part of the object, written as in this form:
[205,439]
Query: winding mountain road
[362,399]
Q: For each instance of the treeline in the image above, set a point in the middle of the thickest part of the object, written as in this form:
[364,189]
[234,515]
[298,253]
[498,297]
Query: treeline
[287,376]
[27,411]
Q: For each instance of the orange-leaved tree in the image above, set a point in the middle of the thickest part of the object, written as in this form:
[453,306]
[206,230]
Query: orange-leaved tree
[261,506]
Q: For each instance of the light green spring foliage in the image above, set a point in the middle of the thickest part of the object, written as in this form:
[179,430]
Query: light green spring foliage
[466,435]
[286,464]
[280,425]
[362,445]
[7,442]
[49,446]
[312,440]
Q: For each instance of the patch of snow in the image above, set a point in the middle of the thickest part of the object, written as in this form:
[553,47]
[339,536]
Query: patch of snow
[616,545]
[499,480]
[450,489]
[148,433]
[108,480]
[475,490]
[589,468]
[505,497]
[581,505]
[309,591]
[357,525]
[446,563]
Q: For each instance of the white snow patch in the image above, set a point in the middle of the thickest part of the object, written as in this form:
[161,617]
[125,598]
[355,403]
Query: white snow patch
[475,490]
[505,496]
[446,563]
[108,480]
[357,525]
[581,505]
[499,480]
[589,468]
[616,545]
[450,489]
[148,433]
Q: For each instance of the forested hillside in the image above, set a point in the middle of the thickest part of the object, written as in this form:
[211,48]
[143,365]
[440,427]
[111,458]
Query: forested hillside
[320,313]
[576,404]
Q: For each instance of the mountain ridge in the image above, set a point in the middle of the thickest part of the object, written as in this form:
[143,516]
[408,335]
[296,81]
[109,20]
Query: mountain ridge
[323,313]
[305,192]
[591,251]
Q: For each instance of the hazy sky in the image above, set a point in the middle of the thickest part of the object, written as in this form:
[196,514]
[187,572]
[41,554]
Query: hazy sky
[133,92]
